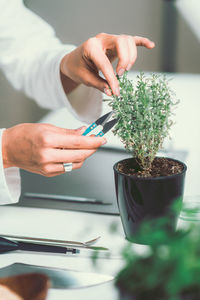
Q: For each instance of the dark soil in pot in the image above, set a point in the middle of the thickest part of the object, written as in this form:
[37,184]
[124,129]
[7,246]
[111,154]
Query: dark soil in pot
[148,197]
[161,166]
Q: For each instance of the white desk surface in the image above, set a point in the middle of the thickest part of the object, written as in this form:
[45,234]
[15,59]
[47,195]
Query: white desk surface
[68,225]
[84,226]
[65,225]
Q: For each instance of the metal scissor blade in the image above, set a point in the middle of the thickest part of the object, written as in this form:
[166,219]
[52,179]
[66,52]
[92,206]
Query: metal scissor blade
[109,125]
[60,278]
[102,120]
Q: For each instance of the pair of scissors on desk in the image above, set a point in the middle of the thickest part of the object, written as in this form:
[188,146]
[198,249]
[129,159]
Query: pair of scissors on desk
[101,126]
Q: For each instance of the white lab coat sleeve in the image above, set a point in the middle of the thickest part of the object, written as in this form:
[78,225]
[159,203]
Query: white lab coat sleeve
[30,56]
[10,182]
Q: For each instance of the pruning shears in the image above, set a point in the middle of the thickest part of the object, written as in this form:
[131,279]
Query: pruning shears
[101,126]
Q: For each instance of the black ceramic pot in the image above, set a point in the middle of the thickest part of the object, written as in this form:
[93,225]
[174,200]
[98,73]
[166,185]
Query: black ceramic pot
[146,198]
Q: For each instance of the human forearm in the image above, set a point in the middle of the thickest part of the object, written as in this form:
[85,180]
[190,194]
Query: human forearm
[30,54]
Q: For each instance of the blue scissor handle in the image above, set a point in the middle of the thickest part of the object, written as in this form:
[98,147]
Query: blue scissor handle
[101,133]
[90,128]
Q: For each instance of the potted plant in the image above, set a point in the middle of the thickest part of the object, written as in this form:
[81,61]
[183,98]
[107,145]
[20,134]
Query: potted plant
[167,269]
[146,185]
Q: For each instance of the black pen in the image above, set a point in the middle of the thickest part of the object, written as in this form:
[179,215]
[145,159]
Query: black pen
[7,245]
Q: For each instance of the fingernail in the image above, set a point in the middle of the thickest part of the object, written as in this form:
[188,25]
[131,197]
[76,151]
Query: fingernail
[104,142]
[128,67]
[107,92]
[121,72]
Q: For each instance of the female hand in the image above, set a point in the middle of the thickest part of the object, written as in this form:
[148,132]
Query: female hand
[96,54]
[43,148]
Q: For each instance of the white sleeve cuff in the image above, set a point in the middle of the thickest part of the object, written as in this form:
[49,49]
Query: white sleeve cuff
[10,182]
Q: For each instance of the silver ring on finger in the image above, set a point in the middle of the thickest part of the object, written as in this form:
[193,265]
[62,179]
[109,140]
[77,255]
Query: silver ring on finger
[67,167]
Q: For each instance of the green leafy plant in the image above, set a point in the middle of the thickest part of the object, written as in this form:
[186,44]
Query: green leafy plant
[167,269]
[144,112]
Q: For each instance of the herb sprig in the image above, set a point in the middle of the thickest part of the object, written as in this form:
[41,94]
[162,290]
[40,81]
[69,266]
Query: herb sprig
[144,112]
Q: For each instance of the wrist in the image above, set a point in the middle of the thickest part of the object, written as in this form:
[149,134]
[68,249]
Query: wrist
[67,82]
[5,150]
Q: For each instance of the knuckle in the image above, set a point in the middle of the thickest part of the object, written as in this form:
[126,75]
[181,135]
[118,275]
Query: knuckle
[51,175]
[100,35]
[89,43]
[43,157]
[48,175]
[79,165]
[81,157]
[45,138]
[122,36]
[123,62]
[46,170]
[129,37]
[77,143]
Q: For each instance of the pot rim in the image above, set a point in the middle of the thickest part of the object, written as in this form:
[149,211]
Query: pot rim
[150,178]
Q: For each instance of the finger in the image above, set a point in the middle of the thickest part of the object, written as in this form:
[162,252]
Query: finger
[67,156]
[93,79]
[142,41]
[77,142]
[58,169]
[124,54]
[102,62]
[65,138]
[133,53]
[77,131]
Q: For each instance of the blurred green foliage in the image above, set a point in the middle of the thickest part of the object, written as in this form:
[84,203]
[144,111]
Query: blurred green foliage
[168,268]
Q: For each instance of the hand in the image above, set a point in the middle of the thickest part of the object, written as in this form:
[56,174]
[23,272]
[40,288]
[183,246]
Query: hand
[43,148]
[96,54]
